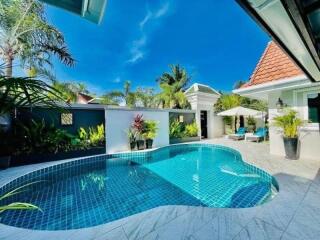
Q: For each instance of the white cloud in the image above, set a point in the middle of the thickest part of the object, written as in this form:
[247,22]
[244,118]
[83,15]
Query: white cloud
[116,80]
[145,19]
[137,51]
[162,10]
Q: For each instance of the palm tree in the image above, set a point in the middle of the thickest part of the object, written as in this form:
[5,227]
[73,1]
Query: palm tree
[26,35]
[178,78]
[227,101]
[126,96]
[108,99]
[171,98]
[146,97]
[172,85]
[70,90]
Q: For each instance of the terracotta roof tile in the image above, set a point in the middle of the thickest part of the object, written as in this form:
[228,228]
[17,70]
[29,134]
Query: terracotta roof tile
[274,65]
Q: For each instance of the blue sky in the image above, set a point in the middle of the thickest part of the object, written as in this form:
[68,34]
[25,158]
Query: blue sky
[216,41]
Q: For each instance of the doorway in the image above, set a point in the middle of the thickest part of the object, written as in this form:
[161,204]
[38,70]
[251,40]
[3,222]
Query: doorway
[204,124]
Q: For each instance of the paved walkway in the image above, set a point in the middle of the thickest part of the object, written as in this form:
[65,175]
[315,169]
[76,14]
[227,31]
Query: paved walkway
[293,214]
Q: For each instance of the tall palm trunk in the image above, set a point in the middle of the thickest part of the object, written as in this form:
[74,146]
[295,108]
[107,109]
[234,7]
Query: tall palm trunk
[8,66]
[8,59]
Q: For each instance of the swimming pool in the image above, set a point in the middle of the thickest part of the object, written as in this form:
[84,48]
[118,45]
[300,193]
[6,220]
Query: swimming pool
[98,190]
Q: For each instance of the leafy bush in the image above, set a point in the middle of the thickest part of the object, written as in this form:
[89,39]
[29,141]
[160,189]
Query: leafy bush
[37,137]
[180,129]
[150,129]
[176,129]
[251,122]
[96,135]
[289,123]
[191,130]
[132,135]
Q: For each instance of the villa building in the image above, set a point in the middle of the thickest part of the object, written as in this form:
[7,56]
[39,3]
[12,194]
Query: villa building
[278,80]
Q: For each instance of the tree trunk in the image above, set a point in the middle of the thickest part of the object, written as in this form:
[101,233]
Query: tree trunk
[8,66]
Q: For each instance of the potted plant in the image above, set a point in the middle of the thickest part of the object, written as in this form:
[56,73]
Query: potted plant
[149,132]
[132,135]
[251,124]
[289,123]
[138,126]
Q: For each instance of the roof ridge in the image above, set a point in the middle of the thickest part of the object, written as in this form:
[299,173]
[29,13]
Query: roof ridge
[258,66]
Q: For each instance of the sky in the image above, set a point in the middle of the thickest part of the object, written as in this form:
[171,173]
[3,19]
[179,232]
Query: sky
[216,41]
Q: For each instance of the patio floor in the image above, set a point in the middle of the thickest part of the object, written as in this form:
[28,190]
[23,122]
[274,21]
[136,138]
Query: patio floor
[293,214]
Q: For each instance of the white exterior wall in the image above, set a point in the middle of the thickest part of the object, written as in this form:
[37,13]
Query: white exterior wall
[118,122]
[205,102]
[218,126]
[309,134]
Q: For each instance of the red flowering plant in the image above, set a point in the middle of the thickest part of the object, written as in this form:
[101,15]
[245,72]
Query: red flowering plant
[138,124]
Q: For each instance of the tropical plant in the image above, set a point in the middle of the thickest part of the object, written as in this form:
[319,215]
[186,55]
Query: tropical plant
[150,129]
[110,99]
[138,124]
[18,92]
[251,121]
[289,123]
[171,98]
[254,104]
[132,135]
[176,129]
[226,102]
[69,91]
[178,77]
[191,129]
[38,137]
[26,35]
[126,95]
[16,205]
[172,85]
[146,97]
[96,135]
[83,135]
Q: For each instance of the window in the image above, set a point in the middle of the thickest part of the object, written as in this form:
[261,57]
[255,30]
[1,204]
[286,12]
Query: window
[66,119]
[314,107]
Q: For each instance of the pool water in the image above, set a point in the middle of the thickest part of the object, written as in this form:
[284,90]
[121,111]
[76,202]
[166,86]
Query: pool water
[104,189]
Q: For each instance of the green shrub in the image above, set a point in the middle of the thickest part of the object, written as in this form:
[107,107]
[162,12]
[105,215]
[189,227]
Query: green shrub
[289,123]
[96,135]
[150,129]
[37,137]
[251,123]
[180,129]
[176,129]
[191,130]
